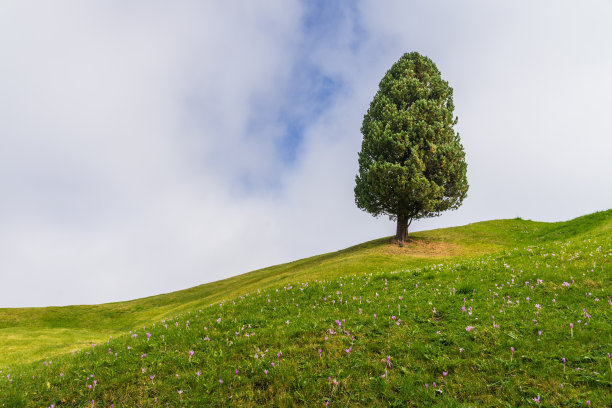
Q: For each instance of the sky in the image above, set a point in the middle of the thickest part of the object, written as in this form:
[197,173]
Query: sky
[147,147]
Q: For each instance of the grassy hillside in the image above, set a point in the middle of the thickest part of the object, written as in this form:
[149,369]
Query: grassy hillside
[30,334]
[366,326]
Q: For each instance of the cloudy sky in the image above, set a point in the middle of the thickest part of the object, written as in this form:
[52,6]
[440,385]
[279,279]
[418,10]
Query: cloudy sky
[147,147]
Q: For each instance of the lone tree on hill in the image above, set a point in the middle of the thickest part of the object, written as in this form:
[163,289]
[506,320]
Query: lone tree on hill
[411,164]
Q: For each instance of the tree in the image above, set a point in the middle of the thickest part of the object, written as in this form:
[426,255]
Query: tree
[411,163]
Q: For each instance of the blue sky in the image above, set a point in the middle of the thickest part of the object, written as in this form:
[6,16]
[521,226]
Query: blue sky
[150,147]
[310,90]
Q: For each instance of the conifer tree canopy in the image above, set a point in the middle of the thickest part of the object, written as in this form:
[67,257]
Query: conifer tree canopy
[411,163]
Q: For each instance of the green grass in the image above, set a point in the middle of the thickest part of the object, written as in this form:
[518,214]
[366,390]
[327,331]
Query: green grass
[291,308]
[98,322]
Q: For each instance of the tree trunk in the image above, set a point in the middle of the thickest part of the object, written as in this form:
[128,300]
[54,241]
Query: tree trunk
[401,233]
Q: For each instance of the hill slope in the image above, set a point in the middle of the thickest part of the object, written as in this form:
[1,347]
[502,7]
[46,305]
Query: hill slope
[369,309]
[30,334]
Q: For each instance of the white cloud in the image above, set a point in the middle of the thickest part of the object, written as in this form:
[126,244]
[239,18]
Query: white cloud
[122,129]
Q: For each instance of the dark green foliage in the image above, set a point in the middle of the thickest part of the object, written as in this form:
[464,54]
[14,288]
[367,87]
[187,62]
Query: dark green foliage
[411,164]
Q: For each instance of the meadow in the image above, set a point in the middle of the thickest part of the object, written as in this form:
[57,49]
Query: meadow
[499,313]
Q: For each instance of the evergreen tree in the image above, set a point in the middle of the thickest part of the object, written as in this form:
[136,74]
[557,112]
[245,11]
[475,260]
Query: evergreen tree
[411,163]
